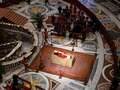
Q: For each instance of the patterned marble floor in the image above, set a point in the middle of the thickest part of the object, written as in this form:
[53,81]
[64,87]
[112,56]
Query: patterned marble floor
[113,6]
[112,28]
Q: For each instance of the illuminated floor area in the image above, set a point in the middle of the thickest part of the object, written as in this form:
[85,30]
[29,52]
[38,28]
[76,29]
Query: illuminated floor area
[93,65]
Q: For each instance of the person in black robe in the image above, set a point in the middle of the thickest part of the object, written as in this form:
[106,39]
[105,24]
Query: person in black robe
[46,2]
[28,1]
[60,9]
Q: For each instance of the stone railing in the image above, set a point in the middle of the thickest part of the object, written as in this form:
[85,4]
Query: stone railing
[13,51]
[12,64]
[32,30]
[14,27]
[29,29]
[18,59]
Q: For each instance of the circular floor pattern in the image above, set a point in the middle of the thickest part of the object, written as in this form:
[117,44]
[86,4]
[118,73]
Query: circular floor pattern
[36,8]
[108,72]
[37,79]
[104,86]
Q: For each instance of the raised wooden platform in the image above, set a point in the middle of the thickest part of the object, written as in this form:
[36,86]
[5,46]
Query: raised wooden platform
[80,70]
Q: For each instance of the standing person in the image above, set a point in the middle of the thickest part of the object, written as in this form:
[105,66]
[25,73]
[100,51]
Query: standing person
[86,20]
[38,19]
[96,24]
[115,83]
[87,27]
[8,86]
[60,74]
[82,15]
[46,35]
[2,71]
[83,36]
[46,2]
[60,9]
[15,83]
[29,1]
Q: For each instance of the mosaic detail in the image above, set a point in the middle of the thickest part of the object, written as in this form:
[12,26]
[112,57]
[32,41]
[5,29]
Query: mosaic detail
[108,72]
[109,26]
[106,21]
[104,86]
[109,58]
[36,79]
[34,9]
[112,5]
[53,84]
[113,30]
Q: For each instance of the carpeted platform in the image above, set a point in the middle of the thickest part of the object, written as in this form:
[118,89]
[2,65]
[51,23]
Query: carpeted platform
[83,62]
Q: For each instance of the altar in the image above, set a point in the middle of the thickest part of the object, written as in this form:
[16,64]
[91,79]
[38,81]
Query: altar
[63,59]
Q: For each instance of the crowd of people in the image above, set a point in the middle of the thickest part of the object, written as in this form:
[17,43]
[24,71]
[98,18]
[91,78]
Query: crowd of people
[76,22]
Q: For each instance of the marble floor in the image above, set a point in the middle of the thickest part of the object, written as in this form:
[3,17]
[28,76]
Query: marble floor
[102,73]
